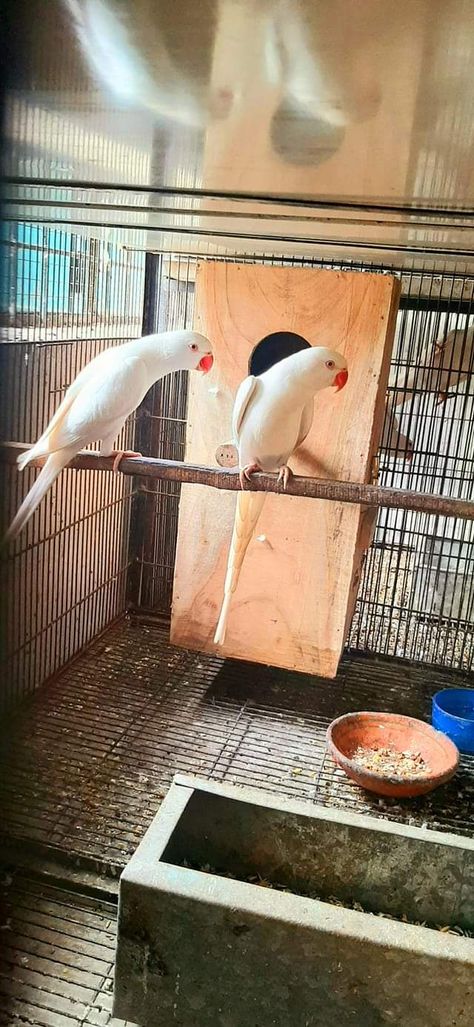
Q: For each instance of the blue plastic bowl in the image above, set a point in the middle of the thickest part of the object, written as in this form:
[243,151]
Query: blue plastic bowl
[453,714]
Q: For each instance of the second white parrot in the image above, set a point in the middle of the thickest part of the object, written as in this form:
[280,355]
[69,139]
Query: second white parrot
[442,367]
[272,416]
[98,402]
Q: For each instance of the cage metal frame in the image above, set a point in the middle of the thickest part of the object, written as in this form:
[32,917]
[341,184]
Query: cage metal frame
[394,616]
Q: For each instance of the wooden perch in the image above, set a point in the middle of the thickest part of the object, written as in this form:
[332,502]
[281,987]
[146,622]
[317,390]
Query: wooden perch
[309,488]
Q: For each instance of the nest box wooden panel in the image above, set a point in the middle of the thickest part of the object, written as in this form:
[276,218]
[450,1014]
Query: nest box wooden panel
[298,585]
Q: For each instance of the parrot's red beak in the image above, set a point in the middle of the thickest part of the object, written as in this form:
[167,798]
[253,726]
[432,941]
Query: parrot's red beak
[205,363]
[340,380]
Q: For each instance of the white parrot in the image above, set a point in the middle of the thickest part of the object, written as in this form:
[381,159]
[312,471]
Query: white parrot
[272,416]
[444,364]
[100,399]
[400,447]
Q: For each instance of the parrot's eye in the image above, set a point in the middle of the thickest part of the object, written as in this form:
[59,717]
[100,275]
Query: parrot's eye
[194,347]
[330,364]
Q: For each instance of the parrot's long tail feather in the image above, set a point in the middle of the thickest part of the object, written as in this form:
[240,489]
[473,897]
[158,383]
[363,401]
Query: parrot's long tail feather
[47,475]
[247,511]
[43,445]
[31,454]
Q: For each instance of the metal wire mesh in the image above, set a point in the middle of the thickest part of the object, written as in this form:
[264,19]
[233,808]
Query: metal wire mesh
[417,594]
[57,956]
[64,299]
[85,766]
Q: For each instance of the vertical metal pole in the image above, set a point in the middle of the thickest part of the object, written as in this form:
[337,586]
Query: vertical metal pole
[142,511]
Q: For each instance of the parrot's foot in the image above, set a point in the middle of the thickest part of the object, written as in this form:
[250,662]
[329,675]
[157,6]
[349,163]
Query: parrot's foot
[284,474]
[246,472]
[444,396]
[119,455]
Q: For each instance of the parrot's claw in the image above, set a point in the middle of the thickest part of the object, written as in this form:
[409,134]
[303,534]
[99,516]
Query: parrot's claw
[120,454]
[284,474]
[444,396]
[246,471]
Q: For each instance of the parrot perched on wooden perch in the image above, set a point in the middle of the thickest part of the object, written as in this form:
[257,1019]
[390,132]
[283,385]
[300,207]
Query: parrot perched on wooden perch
[450,364]
[272,416]
[445,363]
[99,400]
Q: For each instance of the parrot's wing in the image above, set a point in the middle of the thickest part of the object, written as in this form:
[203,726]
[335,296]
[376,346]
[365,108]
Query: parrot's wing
[306,422]
[101,401]
[41,447]
[243,397]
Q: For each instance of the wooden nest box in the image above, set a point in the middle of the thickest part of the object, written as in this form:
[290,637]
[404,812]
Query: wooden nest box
[298,586]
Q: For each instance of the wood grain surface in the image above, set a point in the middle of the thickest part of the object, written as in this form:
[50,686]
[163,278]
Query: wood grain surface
[299,580]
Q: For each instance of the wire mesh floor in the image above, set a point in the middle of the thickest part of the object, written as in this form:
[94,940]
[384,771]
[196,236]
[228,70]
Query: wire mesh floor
[56,963]
[85,764]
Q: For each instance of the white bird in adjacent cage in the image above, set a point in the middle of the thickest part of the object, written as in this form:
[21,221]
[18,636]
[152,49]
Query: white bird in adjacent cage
[441,368]
[98,402]
[272,416]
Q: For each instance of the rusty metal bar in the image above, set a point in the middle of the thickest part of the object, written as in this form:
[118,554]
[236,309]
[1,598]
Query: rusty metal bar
[309,488]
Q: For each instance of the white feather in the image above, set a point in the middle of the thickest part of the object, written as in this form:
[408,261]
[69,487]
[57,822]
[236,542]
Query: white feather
[442,367]
[272,416]
[98,402]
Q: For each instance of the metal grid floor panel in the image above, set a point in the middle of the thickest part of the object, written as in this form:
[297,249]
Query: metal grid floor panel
[56,962]
[86,763]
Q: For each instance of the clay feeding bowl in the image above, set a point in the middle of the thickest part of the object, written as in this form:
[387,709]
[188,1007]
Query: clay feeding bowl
[401,735]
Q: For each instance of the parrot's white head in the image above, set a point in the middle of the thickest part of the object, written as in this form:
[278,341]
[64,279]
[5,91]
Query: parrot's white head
[328,367]
[313,369]
[190,351]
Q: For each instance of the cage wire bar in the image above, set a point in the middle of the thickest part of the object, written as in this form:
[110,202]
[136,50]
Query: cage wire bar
[65,298]
[416,598]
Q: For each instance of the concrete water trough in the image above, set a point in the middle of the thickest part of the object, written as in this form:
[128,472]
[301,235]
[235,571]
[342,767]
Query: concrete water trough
[206,938]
